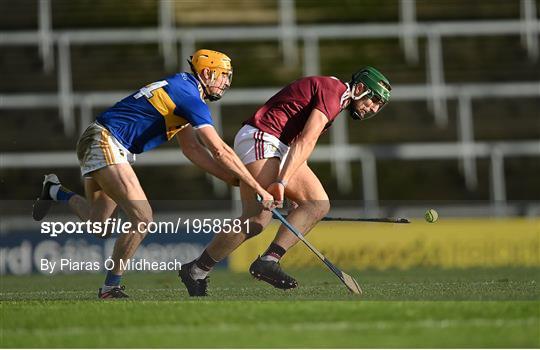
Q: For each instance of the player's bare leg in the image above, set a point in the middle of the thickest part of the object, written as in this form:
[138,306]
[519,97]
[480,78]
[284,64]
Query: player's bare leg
[120,183]
[107,187]
[194,274]
[122,186]
[265,172]
[312,205]
[97,206]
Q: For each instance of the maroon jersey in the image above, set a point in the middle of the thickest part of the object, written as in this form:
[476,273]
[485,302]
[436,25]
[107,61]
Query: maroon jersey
[285,114]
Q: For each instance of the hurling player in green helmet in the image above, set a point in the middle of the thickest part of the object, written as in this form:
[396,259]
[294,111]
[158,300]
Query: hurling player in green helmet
[370,92]
[275,144]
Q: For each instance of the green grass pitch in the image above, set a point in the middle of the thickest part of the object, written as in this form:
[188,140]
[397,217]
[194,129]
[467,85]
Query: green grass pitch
[415,308]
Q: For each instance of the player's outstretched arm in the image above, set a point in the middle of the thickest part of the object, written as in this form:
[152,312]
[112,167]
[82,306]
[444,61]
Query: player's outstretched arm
[300,150]
[225,156]
[198,154]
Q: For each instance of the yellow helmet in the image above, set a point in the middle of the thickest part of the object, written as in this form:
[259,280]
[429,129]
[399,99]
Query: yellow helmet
[217,62]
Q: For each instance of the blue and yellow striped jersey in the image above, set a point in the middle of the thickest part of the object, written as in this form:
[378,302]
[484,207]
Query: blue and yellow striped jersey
[155,113]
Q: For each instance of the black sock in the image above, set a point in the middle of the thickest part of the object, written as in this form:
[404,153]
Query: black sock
[205,261]
[275,251]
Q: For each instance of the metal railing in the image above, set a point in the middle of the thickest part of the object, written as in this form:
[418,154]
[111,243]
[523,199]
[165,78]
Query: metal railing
[366,155]
[463,93]
[176,42]
[287,32]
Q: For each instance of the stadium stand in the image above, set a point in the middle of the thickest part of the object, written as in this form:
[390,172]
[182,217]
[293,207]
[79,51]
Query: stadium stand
[467,78]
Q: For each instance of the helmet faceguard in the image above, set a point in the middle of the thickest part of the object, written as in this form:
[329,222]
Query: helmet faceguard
[376,87]
[218,63]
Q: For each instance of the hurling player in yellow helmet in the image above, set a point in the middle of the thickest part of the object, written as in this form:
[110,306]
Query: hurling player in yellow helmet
[213,70]
[173,107]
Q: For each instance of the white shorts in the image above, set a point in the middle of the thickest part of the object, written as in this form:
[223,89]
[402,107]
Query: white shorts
[97,148]
[251,144]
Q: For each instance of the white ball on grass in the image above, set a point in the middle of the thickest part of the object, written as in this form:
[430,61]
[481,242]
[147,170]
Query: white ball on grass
[431,215]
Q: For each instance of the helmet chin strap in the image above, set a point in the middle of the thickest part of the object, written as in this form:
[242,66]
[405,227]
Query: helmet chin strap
[354,114]
[356,98]
[211,97]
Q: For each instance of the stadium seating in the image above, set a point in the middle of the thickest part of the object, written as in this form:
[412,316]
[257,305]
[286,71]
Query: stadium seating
[259,63]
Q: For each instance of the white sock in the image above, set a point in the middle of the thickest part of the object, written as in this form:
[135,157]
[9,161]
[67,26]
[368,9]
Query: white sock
[53,191]
[269,258]
[197,273]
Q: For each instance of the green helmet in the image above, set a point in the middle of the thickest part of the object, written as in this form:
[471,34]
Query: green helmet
[377,86]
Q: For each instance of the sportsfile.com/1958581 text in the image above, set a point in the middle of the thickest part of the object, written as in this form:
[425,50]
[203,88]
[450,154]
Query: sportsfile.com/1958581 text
[120,226]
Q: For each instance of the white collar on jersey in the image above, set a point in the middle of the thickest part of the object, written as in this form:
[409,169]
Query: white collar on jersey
[343,103]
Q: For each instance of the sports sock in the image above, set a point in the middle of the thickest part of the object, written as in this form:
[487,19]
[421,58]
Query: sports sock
[60,193]
[111,281]
[53,191]
[273,253]
[202,267]
[197,273]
